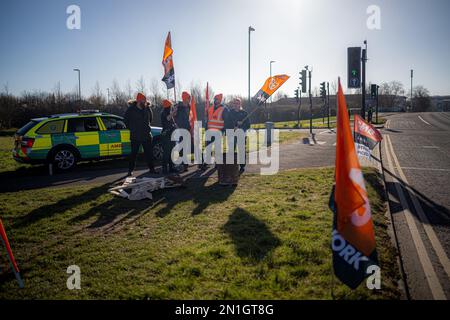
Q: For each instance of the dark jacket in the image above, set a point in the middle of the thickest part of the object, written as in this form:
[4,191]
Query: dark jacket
[232,117]
[182,117]
[138,122]
[167,123]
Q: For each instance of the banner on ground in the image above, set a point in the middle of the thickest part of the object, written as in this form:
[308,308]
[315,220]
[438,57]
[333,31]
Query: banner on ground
[169,72]
[353,238]
[366,137]
[270,86]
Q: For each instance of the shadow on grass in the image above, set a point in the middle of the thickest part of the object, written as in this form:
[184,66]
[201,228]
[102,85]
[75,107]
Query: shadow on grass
[108,212]
[251,237]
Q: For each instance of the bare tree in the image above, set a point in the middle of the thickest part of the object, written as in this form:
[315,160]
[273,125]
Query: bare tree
[155,92]
[97,98]
[140,85]
[129,90]
[334,87]
[117,95]
[390,93]
[421,99]
[57,92]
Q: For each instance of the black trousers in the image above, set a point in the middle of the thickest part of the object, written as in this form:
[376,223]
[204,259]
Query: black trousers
[148,152]
[167,145]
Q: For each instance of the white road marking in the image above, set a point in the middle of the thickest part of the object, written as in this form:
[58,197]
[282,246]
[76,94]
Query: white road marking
[430,274]
[424,121]
[387,124]
[425,169]
[437,246]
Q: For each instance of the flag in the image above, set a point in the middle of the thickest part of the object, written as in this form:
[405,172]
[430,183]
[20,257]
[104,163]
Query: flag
[11,259]
[353,239]
[192,115]
[366,137]
[270,86]
[169,72]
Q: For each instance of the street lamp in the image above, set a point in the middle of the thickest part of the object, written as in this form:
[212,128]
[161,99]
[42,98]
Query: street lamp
[272,61]
[250,29]
[79,83]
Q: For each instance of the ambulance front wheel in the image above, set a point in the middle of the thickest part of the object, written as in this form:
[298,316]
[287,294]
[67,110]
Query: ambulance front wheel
[64,158]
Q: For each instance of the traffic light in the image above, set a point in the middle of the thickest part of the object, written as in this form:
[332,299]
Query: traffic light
[373,91]
[323,90]
[296,95]
[354,67]
[303,80]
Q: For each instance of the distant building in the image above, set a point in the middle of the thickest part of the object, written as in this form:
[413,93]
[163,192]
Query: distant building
[440,103]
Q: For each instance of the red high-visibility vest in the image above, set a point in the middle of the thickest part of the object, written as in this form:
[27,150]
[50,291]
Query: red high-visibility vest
[215,118]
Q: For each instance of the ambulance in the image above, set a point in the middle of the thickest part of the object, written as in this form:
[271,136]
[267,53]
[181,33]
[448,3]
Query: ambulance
[65,139]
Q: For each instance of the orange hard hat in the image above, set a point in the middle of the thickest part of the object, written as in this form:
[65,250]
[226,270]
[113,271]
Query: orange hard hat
[140,97]
[166,103]
[186,97]
[218,99]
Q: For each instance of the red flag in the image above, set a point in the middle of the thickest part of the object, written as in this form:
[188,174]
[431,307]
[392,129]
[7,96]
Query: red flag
[354,220]
[192,115]
[366,137]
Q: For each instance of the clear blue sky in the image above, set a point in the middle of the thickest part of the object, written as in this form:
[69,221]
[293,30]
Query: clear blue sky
[124,39]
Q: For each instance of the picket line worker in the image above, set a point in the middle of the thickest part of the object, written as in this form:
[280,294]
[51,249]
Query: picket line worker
[138,118]
[168,126]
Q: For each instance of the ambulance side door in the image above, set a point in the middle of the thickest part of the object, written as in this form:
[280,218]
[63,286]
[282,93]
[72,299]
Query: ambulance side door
[115,135]
[85,132]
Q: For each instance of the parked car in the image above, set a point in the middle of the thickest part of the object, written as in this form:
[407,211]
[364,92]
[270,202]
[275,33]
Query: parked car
[65,139]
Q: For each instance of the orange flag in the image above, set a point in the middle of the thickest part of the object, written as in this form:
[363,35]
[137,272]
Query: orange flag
[353,239]
[270,86]
[354,220]
[167,61]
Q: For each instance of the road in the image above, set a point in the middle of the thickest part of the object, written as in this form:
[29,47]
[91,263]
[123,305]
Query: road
[416,161]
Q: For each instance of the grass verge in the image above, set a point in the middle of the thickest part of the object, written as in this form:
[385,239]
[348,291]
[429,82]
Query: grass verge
[269,238]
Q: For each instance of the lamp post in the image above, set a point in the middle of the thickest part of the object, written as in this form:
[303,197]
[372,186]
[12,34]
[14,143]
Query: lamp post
[79,83]
[250,29]
[271,98]
[272,61]
[411,104]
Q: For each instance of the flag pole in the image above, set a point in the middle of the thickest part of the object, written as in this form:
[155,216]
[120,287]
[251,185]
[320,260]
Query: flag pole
[17,274]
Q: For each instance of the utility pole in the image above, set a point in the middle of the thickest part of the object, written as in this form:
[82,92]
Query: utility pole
[79,83]
[107,100]
[310,100]
[250,29]
[376,114]
[328,103]
[412,75]
[272,61]
[363,82]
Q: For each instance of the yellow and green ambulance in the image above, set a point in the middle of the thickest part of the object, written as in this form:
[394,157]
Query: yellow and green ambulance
[65,139]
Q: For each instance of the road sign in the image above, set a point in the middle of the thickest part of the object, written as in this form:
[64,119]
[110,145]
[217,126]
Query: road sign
[354,67]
